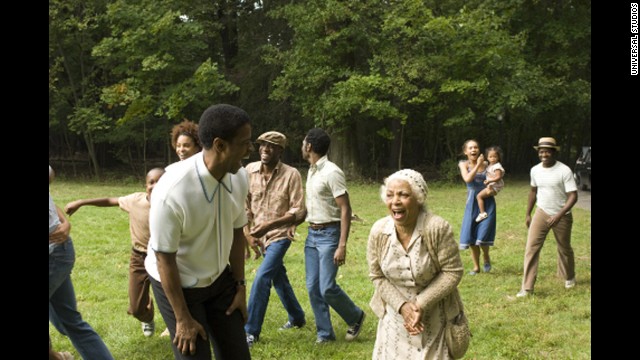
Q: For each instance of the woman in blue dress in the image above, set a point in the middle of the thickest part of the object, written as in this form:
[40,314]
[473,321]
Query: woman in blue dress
[476,235]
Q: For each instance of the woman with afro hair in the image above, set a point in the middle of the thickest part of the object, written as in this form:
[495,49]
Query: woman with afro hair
[184,139]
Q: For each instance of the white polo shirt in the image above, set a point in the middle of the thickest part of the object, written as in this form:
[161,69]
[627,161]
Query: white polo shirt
[325,182]
[553,185]
[194,215]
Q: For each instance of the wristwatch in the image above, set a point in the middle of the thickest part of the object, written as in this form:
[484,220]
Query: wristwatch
[242,282]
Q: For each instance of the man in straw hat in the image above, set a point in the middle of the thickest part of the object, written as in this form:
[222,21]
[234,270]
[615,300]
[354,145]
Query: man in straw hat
[274,206]
[554,190]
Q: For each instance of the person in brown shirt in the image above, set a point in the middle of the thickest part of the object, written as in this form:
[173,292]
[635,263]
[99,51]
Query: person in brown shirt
[137,205]
[275,205]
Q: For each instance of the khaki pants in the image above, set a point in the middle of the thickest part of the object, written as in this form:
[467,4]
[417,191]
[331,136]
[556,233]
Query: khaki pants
[538,231]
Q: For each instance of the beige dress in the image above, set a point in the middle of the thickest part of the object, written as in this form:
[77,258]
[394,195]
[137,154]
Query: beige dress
[401,275]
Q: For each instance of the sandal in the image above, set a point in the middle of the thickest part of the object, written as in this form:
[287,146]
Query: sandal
[481,216]
[487,267]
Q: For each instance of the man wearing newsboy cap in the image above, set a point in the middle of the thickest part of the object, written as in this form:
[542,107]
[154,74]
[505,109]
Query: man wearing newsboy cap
[554,191]
[273,137]
[274,206]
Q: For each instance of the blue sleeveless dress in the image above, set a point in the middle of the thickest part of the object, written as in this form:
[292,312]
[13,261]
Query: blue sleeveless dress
[484,232]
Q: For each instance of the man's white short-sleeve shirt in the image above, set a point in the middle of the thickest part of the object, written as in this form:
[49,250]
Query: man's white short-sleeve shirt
[553,184]
[325,182]
[194,215]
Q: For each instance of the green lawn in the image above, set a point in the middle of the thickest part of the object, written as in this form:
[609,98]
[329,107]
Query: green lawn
[554,324]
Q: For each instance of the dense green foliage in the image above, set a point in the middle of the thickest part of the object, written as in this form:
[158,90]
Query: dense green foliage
[397,83]
[554,324]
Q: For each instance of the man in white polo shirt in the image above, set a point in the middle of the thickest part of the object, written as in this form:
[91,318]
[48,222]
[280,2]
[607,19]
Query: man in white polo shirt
[555,191]
[196,250]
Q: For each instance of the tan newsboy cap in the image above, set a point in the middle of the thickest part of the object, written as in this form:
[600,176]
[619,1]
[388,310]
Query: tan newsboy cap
[273,137]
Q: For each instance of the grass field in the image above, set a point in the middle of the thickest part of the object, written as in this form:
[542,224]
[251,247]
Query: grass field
[553,324]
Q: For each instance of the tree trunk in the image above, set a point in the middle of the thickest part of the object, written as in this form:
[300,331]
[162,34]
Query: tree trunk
[168,141]
[70,152]
[144,145]
[91,148]
[395,154]
[343,152]
[229,33]
[132,164]
[400,146]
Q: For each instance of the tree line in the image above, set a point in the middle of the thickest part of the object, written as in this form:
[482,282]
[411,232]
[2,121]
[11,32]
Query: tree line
[396,83]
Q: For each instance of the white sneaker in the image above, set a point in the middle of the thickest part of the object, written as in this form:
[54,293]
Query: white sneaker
[570,283]
[354,330]
[148,328]
[523,293]
[251,339]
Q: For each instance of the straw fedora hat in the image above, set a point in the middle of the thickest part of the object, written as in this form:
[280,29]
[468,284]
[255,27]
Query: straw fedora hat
[547,142]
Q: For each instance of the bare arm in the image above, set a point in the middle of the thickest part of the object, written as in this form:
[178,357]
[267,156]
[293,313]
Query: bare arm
[530,202]
[252,243]
[345,225]
[236,260]
[469,175]
[498,177]
[73,206]
[572,199]
[187,328]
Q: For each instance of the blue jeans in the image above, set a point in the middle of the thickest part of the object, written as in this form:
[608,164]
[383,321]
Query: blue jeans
[321,272]
[63,312]
[272,270]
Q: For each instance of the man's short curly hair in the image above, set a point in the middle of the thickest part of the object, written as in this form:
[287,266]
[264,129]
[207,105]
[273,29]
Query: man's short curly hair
[221,121]
[187,128]
[319,140]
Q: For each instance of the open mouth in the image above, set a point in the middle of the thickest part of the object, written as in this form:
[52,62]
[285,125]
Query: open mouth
[398,214]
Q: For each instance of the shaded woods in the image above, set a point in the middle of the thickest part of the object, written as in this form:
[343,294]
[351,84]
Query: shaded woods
[396,83]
